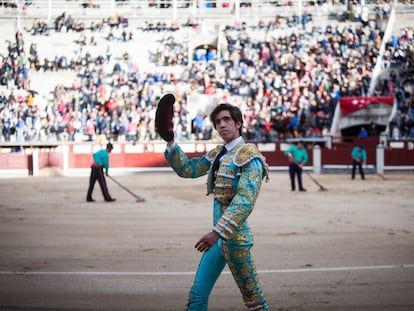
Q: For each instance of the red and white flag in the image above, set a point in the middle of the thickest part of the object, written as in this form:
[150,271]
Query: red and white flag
[351,104]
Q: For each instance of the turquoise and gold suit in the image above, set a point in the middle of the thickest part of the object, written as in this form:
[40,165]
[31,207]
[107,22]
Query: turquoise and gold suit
[236,188]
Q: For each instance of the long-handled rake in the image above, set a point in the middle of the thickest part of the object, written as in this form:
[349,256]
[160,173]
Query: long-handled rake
[139,199]
[321,188]
[381,176]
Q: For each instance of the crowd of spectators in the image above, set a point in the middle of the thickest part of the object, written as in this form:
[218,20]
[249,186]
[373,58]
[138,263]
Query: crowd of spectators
[399,82]
[287,82]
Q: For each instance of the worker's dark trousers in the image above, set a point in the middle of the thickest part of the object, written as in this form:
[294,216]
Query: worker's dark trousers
[97,174]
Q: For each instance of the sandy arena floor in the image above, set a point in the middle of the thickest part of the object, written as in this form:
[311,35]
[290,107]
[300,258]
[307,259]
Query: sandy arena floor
[348,248]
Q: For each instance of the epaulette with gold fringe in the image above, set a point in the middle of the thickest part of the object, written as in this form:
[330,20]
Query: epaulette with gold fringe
[213,152]
[248,152]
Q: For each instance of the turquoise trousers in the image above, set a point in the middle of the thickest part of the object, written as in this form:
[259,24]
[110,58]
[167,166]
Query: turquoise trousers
[242,268]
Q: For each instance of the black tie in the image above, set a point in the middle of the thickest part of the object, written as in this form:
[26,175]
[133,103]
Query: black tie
[216,163]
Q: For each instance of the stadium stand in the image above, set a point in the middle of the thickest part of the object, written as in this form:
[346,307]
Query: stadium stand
[75,76]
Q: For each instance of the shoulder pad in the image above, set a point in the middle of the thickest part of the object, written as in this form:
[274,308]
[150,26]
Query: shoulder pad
[246,153]
[212,153]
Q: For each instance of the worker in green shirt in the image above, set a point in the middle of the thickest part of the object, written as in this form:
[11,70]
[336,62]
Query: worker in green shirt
[100,163]
[359,158]
[298,156]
